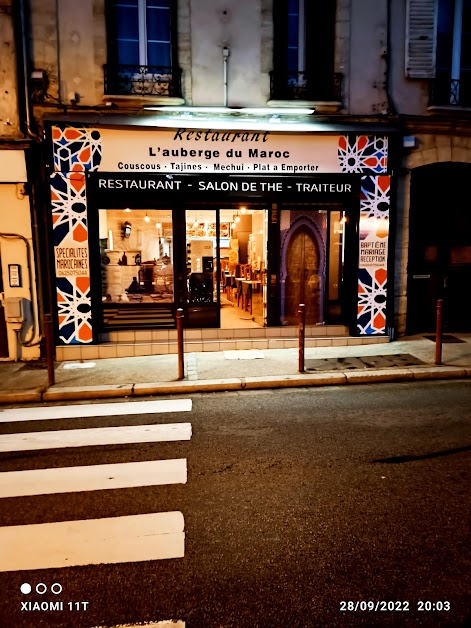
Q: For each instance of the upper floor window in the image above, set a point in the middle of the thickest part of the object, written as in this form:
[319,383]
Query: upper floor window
[140,32]
[141,47]
[439,47]
[304,50]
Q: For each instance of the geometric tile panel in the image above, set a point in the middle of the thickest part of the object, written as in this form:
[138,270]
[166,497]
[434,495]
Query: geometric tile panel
[372,293]
[69,209]
[74,310]
[373,254]
[366,154]
[75,150]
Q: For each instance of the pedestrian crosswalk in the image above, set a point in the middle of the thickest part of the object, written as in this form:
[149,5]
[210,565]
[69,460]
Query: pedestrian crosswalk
[118,539]
[97,436]
[92,478]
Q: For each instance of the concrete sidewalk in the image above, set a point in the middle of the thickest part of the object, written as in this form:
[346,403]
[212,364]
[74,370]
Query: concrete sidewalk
[236,370]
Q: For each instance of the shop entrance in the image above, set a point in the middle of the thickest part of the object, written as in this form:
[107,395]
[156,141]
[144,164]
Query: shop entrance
[302,278]
[209,261]
[226,267]
[312,260]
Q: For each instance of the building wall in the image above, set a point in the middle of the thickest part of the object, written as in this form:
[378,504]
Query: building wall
[410,96]
[15,218]
[9,120]
[71,47]
[368,46]
[216,24]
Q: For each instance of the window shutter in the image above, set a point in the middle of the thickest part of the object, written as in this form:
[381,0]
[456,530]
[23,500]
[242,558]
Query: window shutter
[421,38]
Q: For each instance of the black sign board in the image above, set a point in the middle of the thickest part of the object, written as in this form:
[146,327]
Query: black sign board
[140,190]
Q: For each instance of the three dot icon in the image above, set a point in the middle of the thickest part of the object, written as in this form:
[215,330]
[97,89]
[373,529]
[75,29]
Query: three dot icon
[40,588]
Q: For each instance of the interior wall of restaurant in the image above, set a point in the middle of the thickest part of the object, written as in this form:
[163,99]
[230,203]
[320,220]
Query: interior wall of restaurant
[144,238]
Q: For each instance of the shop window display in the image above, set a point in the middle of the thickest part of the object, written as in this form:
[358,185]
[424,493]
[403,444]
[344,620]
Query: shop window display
[137,256]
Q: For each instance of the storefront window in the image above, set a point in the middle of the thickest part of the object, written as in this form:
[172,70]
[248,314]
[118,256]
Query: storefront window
[243,264]
[336,262]
[136,249]
[201,248]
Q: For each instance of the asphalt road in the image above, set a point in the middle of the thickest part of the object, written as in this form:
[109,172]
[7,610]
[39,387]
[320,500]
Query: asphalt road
[302,509]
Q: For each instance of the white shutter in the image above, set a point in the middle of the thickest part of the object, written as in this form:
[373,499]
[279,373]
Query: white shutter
[421,38]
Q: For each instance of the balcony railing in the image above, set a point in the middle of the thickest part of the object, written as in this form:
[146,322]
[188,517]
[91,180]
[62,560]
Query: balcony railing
[305,86]
[142,80]
[445,91]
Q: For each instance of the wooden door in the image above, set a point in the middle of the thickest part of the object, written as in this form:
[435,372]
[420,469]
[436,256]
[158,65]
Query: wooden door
[302,280]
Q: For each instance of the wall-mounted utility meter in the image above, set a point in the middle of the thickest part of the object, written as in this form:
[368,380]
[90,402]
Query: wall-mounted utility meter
[14,275]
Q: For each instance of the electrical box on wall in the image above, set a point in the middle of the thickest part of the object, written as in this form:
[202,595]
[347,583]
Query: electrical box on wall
[13,309]
[14,275]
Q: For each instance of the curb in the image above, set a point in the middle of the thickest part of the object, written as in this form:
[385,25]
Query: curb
[185,387]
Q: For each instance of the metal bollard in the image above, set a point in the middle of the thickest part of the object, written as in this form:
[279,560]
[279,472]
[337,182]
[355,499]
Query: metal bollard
[181,364]
[49,333]
[302,334]
[438,334]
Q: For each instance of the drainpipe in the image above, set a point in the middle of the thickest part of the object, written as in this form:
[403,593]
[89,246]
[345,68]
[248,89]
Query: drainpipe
[225,54]
[387,59]
[35,159]
[23,73]
[456,53]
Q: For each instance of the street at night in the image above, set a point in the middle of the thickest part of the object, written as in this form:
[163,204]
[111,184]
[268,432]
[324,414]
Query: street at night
[339,506]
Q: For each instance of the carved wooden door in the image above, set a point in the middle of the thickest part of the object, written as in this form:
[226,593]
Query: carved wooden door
[302,281]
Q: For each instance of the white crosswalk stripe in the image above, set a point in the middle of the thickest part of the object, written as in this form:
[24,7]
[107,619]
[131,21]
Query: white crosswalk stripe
[95,410]
[96,436]
[92,478]
[120,539]
[159,624]
[92,541]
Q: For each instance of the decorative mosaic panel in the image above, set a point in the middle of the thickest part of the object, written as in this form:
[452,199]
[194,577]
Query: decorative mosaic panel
[75,150]
[363,153]
[373,254]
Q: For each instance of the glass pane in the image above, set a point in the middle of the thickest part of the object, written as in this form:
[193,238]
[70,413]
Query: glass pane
[158,54]
[128,52]
[160,4]
[201,247]
[158,24]
[137,256]
[293,30]
[127,24]
[158,33]
[293,62]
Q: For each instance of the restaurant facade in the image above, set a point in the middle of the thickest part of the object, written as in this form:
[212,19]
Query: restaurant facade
[228,220]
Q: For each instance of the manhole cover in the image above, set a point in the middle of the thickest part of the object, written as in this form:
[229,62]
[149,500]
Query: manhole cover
[447,338]
[363,362]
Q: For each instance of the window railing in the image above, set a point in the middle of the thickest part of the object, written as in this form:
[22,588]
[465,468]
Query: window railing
[142,80]
[305,86]
[445,91]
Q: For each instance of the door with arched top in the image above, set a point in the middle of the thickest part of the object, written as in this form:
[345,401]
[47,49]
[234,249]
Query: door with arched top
[302,277]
